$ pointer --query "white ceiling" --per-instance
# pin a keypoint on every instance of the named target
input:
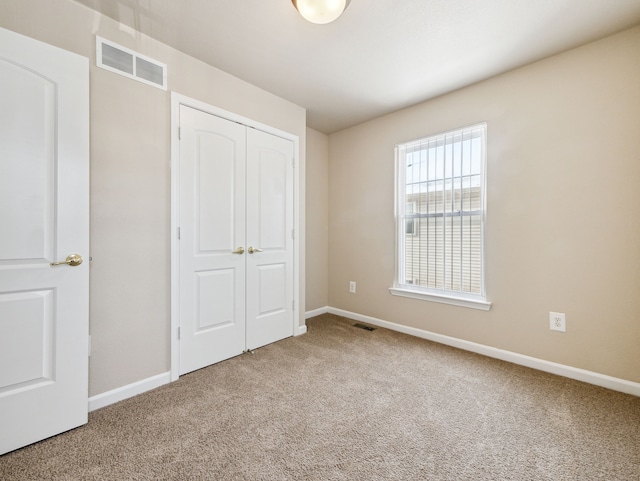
(381, 55)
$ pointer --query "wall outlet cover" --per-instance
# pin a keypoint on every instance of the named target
(557, 321)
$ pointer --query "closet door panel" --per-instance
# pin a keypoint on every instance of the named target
(212, 227)
(269, 238)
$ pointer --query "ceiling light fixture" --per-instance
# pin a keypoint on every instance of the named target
(320, 11)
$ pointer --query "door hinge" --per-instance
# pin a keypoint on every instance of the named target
(178, 332)
(178, 233)
(293, 305)
(293, 233)
(293, 162)
(179, 133)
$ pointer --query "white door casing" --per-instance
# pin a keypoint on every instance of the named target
(44, 214)
(235, 218)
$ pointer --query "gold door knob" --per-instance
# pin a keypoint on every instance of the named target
(254, 249)
(71, 260)
(239, 250)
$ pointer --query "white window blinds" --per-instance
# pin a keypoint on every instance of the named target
(440, 213)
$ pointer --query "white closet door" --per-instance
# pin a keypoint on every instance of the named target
(212, 239)
(236, 238)
(269, 238)
(44, 217)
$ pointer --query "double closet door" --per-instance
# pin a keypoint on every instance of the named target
(236, 238)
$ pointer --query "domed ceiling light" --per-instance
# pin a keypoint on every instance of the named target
(321, 11)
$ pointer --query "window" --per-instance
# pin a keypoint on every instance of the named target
(410, 223)
(440, 186)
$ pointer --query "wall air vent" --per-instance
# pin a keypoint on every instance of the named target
(118, 59)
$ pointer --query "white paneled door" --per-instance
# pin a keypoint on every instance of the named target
(44, 219)
(269, 238)
(212, 239)
(236, 246)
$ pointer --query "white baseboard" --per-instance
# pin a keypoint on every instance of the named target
(602, 380)
(316, 312)
(119, 394)
(583, 375)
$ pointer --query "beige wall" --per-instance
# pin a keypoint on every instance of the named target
(317, 218)
(562, 231)
(130, 180)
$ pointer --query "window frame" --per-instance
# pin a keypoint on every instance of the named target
(442, 295)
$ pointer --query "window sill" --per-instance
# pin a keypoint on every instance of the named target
(442, 298)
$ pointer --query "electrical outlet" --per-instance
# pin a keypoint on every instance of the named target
(352, 287)
(557, 321)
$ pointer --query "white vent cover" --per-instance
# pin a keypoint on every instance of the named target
(118, 59)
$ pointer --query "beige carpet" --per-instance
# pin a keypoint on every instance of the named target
(342, 403)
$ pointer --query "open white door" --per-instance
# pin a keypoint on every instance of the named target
(44, 214)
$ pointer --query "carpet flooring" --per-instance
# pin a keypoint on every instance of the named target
(343, 403)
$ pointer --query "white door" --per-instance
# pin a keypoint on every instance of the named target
(44, 217)
(269, 238)
(236, 248)
(212, 239)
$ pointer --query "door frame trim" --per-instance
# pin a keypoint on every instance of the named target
(176, 101)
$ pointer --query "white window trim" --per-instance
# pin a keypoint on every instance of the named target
(443, 298)
(472, 301)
